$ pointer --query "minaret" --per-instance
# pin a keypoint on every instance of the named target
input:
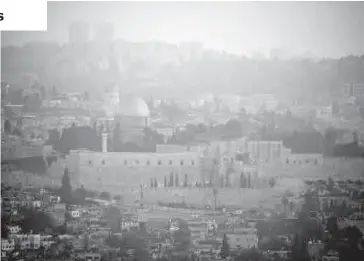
(104, 140)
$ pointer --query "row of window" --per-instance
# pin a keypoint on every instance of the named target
(137, 162)
(273, 145)
(307, 161)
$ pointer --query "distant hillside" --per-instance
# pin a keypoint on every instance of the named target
(90, 68)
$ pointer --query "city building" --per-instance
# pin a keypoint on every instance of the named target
(324, 113)
(27, 241)
(304, 159)
(104, 33)
(7, 245)
(79, 33)
(14, 229)
(262, 151)
(112, 171)
(354, 90)
(256, 102)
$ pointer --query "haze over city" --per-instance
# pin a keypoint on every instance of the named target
(135, 131)
(321, 29)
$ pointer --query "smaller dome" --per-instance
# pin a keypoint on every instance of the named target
(134, 107)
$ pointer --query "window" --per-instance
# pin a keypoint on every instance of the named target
(192, 162)
(307, 161)
(159, 162)
(137, 162)
(89, 162)
(170, 162)
(181, 162)
(103, 162)
(125, 162)
(148, 163)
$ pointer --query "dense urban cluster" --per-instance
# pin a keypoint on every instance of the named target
(324, 222)
(101, 161)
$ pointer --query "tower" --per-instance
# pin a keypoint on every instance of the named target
(79, 33)
(104, 140)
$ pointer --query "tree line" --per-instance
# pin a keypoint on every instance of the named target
(170, 181)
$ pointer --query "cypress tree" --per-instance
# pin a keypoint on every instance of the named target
(171, 180)
(222, 181)
(176, 181)
(248, 185)
(66, 189)
(225, 248)
(155, 183)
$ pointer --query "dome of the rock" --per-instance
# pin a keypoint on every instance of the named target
(135, 107)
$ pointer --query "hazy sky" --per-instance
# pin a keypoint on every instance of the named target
(322, 28)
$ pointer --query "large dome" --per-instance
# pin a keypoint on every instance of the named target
(136, 107)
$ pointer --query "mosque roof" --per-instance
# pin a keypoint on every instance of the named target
(135, 106)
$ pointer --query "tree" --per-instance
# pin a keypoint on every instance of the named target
(185, 182)
(54, 91)
(151, 183)
(86, 96)
(117, 145)
(43, 92)
(113, 217)
(233, 129)
(66, 189)
(291, 206)
(176, 181)
(105, 195)
(335, 108)
(80, 195)
(272, 182)
(242, 180)
(225, 248)
(117, 198)
(299, 249)
(285, 204)
(4, 228)
(251, 254)
(7, 127)
(182, 236)
(67, 216)
(343, 209)
(330, 184)
(171, 180)
(329, 142)
(325, 207)
(215, 193)
(361, 112)
(36, 221)
(155, 183)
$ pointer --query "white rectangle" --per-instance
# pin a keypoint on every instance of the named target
(23, 15)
